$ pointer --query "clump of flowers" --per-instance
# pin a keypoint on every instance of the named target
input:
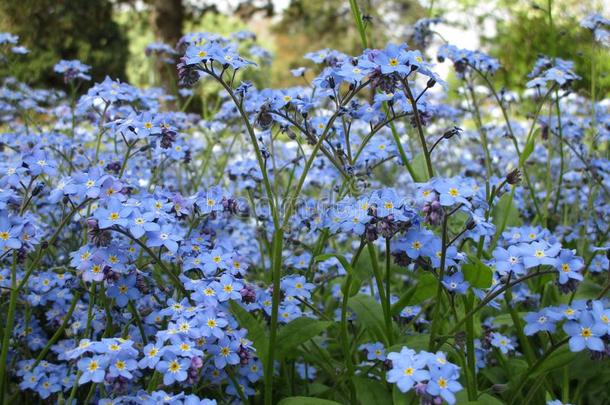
(308, 241)
(430, 375)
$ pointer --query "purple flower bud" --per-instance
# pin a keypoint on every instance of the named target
(196, 362)
(248, 294)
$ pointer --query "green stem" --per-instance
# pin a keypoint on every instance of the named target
(276, 271)
(401, 151)
(561, 154)
(418, 124)
(138, 320)
(8, 329)
(90, 310)
(470, 355)
(359, 23)
(126, 157)
(488, 298)
(439, 291)
(175, 280)
(388, 274)
(525, 343)
(70, 400)
(59, 331)
(380, 289)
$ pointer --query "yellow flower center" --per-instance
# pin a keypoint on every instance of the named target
(174, 366)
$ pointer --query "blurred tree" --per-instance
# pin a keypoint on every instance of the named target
(309, 25)
(64, 29)
(166, 20)
(524, 32)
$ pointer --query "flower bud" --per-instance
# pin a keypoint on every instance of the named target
(514, 177)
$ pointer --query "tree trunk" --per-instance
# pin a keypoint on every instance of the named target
(166, 21)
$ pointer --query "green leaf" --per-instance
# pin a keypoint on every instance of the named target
(306, 401)
(420, 168)
(476, 273)
(370, 315)
(403, 301)
(506, 319)
(588, 289)
(483, 399)
(417, 342)
(297, 332)
(346, 265)
(505, 213)
(516, 366)
(400, 398)
(371, 391)
(425, 288)
(256, 330)
(348, 269)
(487, 399)
(494, 374)
(529, 148)
(559, 358)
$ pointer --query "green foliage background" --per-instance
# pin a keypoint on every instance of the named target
(528, 33)
(64, 29)
(112, 36)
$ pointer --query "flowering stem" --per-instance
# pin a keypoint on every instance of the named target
(59, 331)
(254, 142)
(382, 295)
(377, 128)
(489, 298)
(136, 315)
(240, 392)
(470, 356)
(513, 137)
(388, 263)
(127, 152)
(8, 328)
(344, 331)
(561, 155)
(50, 242)
(418, 124)
(92, 290)
(175, 280)
(70, 399)
(401, 151)
(277, 243)
(359, 22)
(534, 367)
(439, 290)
